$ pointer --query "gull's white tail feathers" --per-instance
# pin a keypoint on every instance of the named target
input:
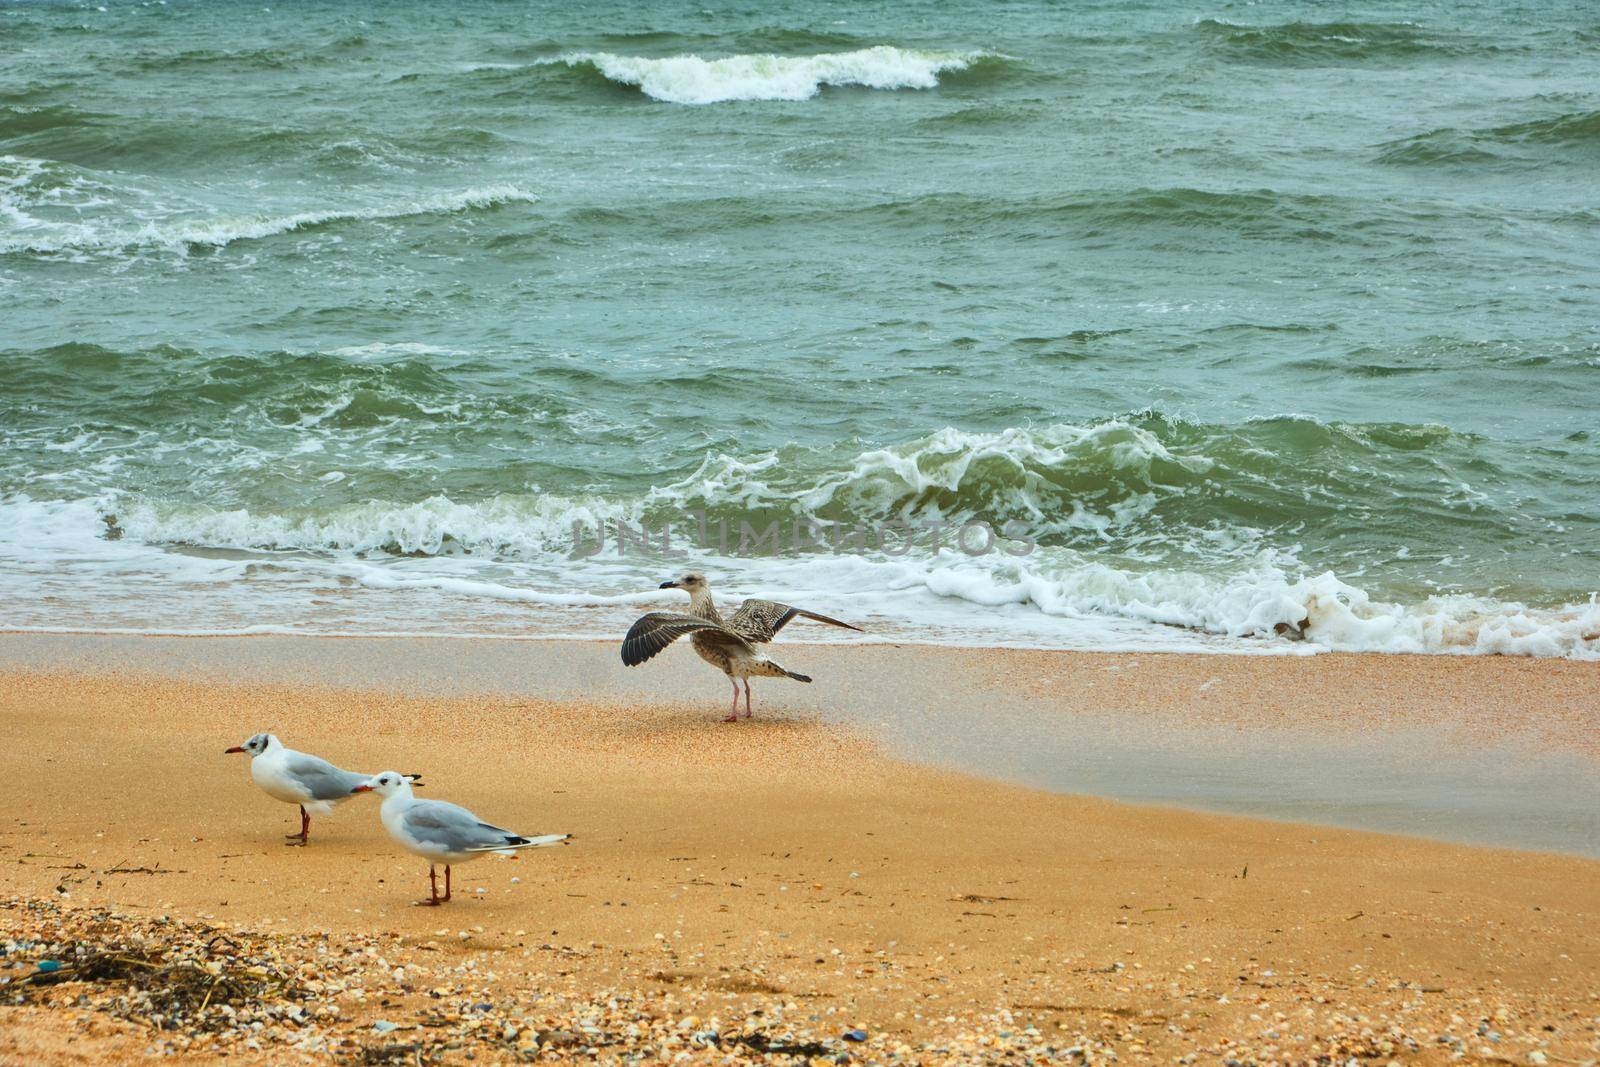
(526, 842)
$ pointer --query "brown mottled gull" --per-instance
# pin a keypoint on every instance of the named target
(730, 645)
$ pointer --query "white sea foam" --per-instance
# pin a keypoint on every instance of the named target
(1265, 601)
(180, 232)
(466, 565)
(690, 79)
(529, 526)
(59, 568)
(509, 525)
(379, 351)
(382, 578)
(996, 474)
(944, 461)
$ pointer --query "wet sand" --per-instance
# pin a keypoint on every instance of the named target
(786, 878)
(1495, 751)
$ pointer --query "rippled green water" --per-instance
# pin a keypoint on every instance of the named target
(337, 318)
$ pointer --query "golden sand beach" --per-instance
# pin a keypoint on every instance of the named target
(761, 891)
(1164, 434)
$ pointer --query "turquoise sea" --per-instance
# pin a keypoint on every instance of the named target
(1267, 326)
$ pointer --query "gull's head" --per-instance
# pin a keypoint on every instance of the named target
(693, 582)
(255, 746)
(386, 784)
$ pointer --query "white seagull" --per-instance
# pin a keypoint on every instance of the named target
(299, 778)
(440, 832)
(728, 645)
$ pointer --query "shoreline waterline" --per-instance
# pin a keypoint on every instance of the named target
(1492, 752)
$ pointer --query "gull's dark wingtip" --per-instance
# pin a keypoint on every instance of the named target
(831, 621)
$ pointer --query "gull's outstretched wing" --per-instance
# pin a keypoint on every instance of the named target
(658, 629)
(760, 620)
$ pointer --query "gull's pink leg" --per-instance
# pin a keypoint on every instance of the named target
(733, 716)
(747, 711)
(447, 881)
(305, 829)
(433, 885)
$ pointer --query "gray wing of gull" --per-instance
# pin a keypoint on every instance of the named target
(322, 779)
(658, 629)
(454, 828)
(760, 620)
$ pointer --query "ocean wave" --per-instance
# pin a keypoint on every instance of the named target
(1266, 601)
(1321, 42)
(982, 118)
(689, 79)
(757, 39)
(279, 394)
(1146, 484)
(1236, 531)
(200, 59)
(1067, 482)
(1443, 147)
(505, 526)
(1581, 128)
(22, 120)
(152, 143)
(263, 58)
(1178, 213)
(1246, 212)
(1060, 477)
(380, 578)
(29, 234)
(1576, 131)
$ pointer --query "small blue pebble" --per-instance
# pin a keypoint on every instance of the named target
(47, 966)
(855, 1035)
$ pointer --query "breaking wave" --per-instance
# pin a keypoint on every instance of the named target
(689, 79)
(30, 231)
(1145, 482)
(1269, 600)
(1265, 602)
(1223, 532)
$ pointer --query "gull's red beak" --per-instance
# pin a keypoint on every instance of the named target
(235, 748)
(361, 789)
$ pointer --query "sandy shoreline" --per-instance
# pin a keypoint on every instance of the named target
(784, 879)
(1481, 750)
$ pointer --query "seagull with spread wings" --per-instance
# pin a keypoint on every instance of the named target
(730, 645)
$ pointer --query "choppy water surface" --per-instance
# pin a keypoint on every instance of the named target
(337, 318)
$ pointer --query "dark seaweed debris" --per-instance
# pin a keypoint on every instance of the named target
(168, 987)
